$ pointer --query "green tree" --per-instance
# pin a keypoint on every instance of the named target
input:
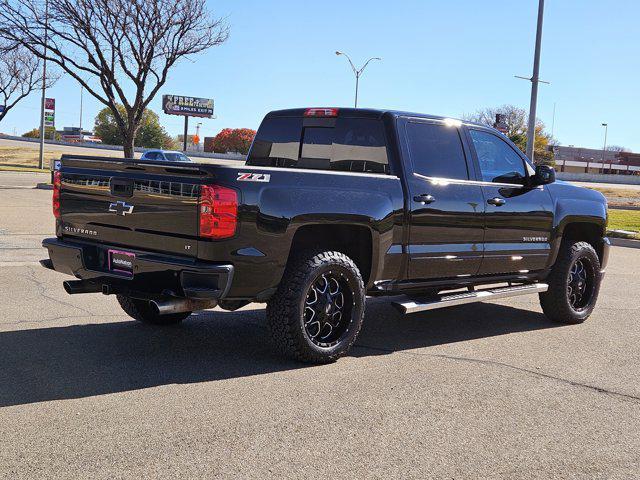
(515, 121)
(150, 134)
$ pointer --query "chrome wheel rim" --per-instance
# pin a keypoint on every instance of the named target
(328, 308)
(580, 283)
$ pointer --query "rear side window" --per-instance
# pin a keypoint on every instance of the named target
(343, 144)
(436, 151)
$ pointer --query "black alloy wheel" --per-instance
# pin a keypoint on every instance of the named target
(328, 309)
(580, 282)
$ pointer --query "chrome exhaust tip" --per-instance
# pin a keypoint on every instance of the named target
(180, 305)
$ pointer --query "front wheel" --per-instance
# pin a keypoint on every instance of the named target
(318, 309)
(574, 284)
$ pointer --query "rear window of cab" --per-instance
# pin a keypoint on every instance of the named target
(342, 144)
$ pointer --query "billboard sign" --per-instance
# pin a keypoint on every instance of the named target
(49, 103)
(187, 106)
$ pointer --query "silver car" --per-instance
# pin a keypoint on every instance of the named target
(165, 156)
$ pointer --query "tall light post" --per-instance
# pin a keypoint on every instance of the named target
(535, 80)
(604, 147)
(357, 72)
(44, 84)
(81, 92)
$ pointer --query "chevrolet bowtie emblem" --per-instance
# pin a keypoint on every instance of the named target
(120, 208)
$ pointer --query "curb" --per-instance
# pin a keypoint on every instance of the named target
(44, 186)
(624, 242)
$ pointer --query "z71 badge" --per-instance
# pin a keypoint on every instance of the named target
(254, 177)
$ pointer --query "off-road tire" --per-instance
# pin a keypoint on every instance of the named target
(555, 302)
(142, 311)
(286, 309)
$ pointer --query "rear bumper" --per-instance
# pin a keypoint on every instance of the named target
(153, 274)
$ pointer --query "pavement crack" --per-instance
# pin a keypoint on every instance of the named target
(42, 290)
(625, 396)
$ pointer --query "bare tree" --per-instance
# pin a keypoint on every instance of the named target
(20, 74)
(617, 148)
(120, 51)
(515, 118)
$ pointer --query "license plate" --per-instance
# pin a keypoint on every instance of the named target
(121, 262)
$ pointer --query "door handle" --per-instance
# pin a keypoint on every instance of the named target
(424, 199)
(497, 201)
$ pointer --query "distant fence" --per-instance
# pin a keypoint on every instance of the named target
(599, 178)
(100, 146)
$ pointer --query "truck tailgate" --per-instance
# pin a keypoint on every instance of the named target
(140, 205)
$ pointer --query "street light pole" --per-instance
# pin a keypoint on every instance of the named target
(81, 91)
(531, 131)
(44, 84)
(604, 147)
(357, 72)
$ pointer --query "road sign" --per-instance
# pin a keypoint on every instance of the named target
(49, 103)
(2, 108)
(187, 106)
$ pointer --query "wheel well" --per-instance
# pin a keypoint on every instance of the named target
(352, 240)
(587, 232)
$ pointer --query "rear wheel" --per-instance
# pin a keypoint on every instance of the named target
(316, 314)
(574, 284)
(142, 311)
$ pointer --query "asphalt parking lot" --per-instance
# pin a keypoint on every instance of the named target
(490, 390)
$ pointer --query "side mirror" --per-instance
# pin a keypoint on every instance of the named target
(544, 175)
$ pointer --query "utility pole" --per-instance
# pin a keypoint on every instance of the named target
(535, 80)
(604, 147)
(81, 91)
(357, 72)
(531, 133)
(44, 84)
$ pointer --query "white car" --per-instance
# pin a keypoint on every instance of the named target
(165, 156)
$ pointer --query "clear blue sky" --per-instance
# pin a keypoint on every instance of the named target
(440, 57)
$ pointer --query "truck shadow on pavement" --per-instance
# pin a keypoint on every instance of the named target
(94, 359)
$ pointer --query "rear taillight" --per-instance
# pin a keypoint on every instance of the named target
(56, 193)
(218, 211)
(321, 112)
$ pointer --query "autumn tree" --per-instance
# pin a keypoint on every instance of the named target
(515, 121)
(120, 51)
(20, 74)
(234, 140)
(49, 132)
(150, 134)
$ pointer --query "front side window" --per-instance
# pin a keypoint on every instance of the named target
(436, 151)
(499, 163)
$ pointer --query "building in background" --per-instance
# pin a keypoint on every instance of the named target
(78, 135)
(590, 160)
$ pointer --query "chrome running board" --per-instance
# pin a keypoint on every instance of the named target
(410, 305)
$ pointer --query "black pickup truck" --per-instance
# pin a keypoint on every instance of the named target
(332, 205)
